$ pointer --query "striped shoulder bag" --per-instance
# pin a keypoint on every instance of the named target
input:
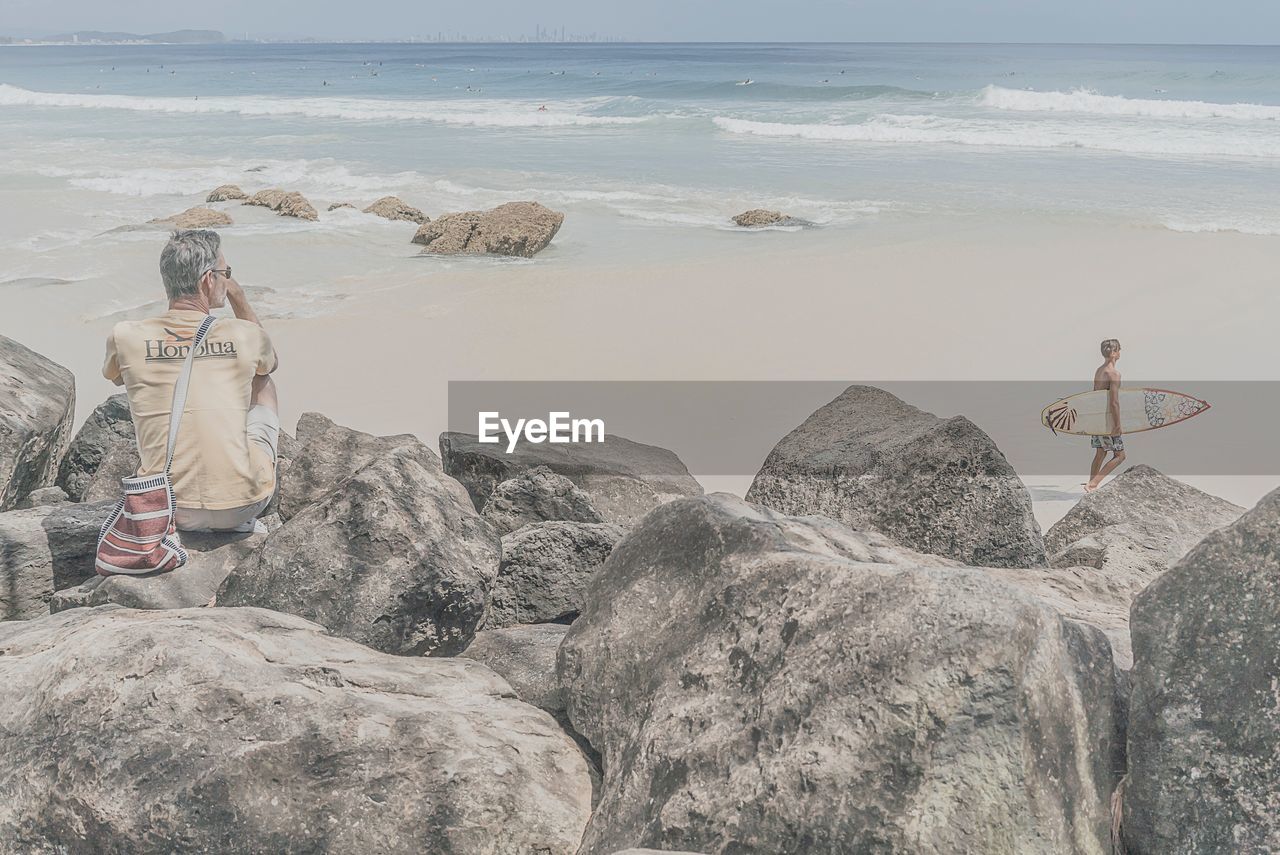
(139, 536)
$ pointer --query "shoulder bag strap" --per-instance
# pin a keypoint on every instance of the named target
(180, 390)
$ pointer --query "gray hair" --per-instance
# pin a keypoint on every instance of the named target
(188, 255)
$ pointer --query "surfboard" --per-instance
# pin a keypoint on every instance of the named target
(1142, 408)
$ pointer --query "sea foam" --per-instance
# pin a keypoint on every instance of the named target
(475, 112)
(1059, 133)
(1089, 101)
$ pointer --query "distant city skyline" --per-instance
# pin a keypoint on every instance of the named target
(1083, 21)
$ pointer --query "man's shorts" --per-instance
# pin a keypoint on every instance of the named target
(263, 428)
(1108, 443)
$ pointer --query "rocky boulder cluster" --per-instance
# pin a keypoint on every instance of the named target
(579, 652)
(517, 228)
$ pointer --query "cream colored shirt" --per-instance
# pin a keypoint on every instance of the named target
(214, 465)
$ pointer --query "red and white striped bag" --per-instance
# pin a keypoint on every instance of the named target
(139, 536)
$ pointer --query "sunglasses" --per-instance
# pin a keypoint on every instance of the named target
(225, 271)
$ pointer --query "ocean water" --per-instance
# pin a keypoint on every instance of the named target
(632, 141)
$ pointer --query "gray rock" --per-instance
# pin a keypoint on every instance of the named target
(1115, 541)
(325, 455)
(653, 852)
(758, 683)
(43, 550)
(624, 479)
(1204, 770)
(394, 208)
(516, 228)
(524, 656)
(869, 460)
(247, 731)
(43, 497)
(1136, 526)
(394, 558)
(212, 556)
(37, 402)
(226, 193)
(108, 426)
(121, 461)
(336, 205)
(537, 495)
(545, 569)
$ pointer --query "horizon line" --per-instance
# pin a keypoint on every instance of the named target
(609, 40)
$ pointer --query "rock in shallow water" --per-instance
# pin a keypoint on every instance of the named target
(394, 557)
(284, 203)
(516, 228)
(248, 731)
(226, 193)
(763, 684)
(758, 217)
(195, 218)
(869, 460)
(37, 402)
(1204, 769)
(623, 479)
(394, 208)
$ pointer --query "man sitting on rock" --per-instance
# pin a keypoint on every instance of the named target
(224, 460)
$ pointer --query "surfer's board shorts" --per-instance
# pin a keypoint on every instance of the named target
(1108, 443)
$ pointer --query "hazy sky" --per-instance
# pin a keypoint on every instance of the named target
(1166, 21)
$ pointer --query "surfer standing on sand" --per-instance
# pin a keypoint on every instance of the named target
(1107, 377)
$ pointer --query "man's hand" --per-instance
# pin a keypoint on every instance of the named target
(240, 303)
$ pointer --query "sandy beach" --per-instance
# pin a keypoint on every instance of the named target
(960, 301)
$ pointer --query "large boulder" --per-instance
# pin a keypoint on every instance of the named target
(545, 569)
(43, 550)
(537, 495)
(195, 218)
(393, 557)
(324, 456)
(524, 656)
(757, 683)
(869, 460)
(226, 193)
(37, 403)
(1204, 769)
(1114, 541)
(285, 203)
(516, 228)
(108, 426)
(624, 479)
(247, 731)
(394, 208)
(213, 555)
(1136, 526)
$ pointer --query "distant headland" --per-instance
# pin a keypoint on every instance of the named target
(97, 37)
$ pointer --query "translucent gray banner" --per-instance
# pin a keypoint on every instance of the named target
(728, 428)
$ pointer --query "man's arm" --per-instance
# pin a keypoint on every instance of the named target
(1113, 402)
(111, 365)
(240, 305)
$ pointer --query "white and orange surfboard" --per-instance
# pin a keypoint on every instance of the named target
(1142, 408)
